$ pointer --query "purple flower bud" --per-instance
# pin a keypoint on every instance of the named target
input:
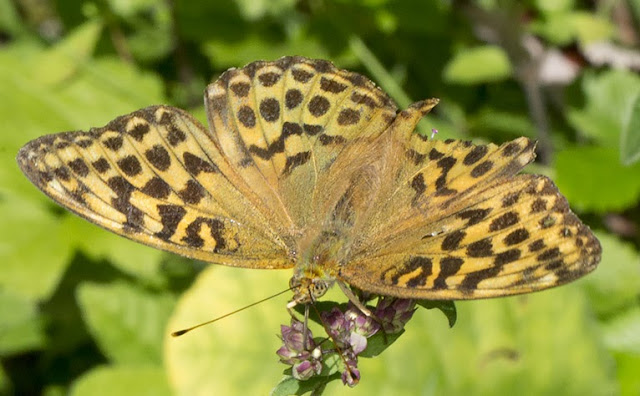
(334, 319)
(351, 376)
(394, 313)
(287, 356)
(358, 342)
(338, 326)
(306, 369)
(361, 323)
(294, 350)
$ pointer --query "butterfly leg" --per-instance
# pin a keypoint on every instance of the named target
(356, 301)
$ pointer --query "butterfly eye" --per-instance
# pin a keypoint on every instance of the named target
(319, 288)
(294, 282)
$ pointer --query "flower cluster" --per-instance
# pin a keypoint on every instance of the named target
(306, 360)
(349, 331)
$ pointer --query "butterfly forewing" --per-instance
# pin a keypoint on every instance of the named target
(148, 177)
(285, 122)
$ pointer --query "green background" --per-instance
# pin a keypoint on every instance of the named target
(87, 312)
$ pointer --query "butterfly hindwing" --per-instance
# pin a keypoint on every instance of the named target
(498, 234)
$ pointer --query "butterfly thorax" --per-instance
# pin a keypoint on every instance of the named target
(317, 267)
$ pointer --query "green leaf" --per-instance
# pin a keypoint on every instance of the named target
(630, 137)
(616, 281)
(377, 343)
(553, 6)
(9, 22)
(622, 333)
(492, 123)
(256, 46)
(609, 96)
(64, 59)
(5, 382)
(127, 322)
(628, 365)
(21, 326)
(478, 65)
(499, 346)
(131, 257)
(122, 380)
(129, 8)
(448, 308)
(97, 92)
(34, 248)
(291, 386)
(592, 178)
(591, 27)
(252, 10)
(234, 355)
(562, 27)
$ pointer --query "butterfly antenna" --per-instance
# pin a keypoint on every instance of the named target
(184, 331)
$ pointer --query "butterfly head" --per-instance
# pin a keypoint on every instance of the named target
(317, 267)
(307, 289)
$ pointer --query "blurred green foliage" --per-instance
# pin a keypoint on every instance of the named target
(86, 312)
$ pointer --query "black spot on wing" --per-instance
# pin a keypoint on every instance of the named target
(348, 117)
(123, 190)
(508, 256)
(418, 185)
(511, 149)
(216, 228)
(536, 245)
(79, 167)
(332, 86)
(139, 131)
(247, 117)
(130, 165)
(549, 254)
(504, 221)
(113, 143)
(240, 89)
(62, 173)
(170, 217)
(448, 266)
(293, 98)
(269, 79)
(156, 188)
(175, 136)
(475, 155)
(423, 265)
(158, 157)
(481, 248)
(192, 192)
(539, 205)
(516, 237)
(270, 109)
(195, 165)
(481, 169)
(295, 161)
(318, 106)
(452, 241)
(300, 75)
(474, 216)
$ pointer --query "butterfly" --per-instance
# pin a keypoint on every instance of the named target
(308, 167)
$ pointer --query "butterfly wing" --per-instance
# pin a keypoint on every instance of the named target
(457, 224)
(284, 123)
(157, 177)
